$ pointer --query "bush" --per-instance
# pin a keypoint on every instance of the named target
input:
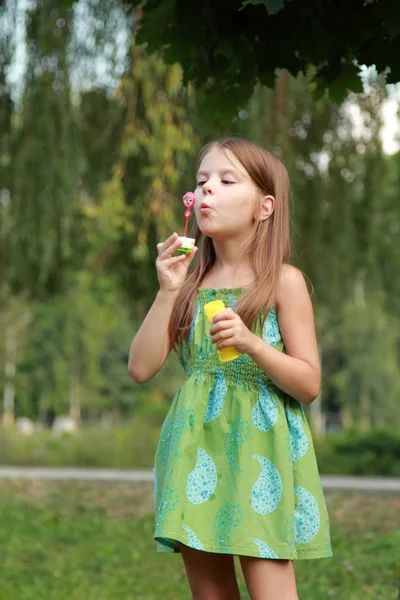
(132, 446)
(376, 452)
(127, 446)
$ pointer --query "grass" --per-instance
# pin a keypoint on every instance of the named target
(90, 541)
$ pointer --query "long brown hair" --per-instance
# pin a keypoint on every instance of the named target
(269, 244)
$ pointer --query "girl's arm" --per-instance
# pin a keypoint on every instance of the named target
(151, 345)
(297, 372)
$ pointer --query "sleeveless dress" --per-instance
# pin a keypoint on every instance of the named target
(235, 470)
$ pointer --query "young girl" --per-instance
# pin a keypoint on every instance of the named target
(235, 469)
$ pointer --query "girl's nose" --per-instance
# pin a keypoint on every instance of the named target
(207, 188)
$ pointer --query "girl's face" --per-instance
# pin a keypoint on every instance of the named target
(226, 197)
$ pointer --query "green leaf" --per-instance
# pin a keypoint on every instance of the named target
(272, 6)
(157, 19)
(318, 93)
(267, 78)
(349, 79)
(68, 3)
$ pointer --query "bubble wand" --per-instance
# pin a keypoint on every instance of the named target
(188, 200)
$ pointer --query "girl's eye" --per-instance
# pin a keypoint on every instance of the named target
(223, 181)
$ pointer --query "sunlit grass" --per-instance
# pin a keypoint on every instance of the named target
(88, 541)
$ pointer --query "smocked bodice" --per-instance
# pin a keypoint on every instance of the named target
(199, 356)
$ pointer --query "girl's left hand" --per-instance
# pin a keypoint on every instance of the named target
(228, 329)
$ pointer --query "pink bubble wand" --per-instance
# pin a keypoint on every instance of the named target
(188, 200)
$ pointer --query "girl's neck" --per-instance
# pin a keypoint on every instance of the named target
(229, 254)
(231, 269)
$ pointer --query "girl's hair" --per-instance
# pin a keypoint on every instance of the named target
(269, 243)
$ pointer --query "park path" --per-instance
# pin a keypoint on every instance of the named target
(329, 482)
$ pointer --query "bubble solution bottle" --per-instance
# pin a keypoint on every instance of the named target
(211, 309)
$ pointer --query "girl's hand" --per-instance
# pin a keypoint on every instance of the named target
(228, 329)
(171, 270)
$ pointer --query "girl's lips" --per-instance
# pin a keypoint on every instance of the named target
(205, 210)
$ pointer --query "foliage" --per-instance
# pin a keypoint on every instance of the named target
(92, 171)
(86, 541)
(273, 6)
(138, 204)
(346, 235)
(225, 48)
(61, 371)
(132, 445)
(44, 160)
(366, 381)
(352, 452)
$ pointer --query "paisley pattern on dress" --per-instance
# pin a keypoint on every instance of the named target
(265, 412)
(306, 516)
(290, 533)
(235, 471)
(202, 480)
(172, 432)
(235, 437)
(216, 398)
(271, 332)
(267, 491)
(193, 540)
(195, 319)
(264, 550)
(298, 437)
(168, 503)
(228, 518)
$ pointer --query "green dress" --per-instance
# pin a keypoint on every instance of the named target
(235, 470)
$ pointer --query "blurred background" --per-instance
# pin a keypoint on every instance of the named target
(98, 143)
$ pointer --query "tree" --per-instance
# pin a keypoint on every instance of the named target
(346, 218)
(45, 162)
(61, 368)
(139, 204)
(226, 47)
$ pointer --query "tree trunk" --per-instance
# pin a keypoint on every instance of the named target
(347, 418)
(11, 368)
(9, 371)
(74, 397)
(365, 413)
(318, 420)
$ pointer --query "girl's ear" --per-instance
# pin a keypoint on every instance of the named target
(267, 207)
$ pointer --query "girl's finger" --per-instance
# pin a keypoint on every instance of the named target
(167, 262)
(190, 255)
(169, 250)
(225, 314)
(222, 335)
(220, 326)
(162, 246)
(225, 343)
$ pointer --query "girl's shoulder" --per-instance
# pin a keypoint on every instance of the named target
(292, 283)
(290, 272)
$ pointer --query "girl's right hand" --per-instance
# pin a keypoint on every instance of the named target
(171, 270)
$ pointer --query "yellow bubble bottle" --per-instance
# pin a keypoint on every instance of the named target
(211, 309)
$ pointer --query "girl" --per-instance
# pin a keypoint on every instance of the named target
(235, 470)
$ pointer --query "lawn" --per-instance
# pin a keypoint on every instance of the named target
(88, 541)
